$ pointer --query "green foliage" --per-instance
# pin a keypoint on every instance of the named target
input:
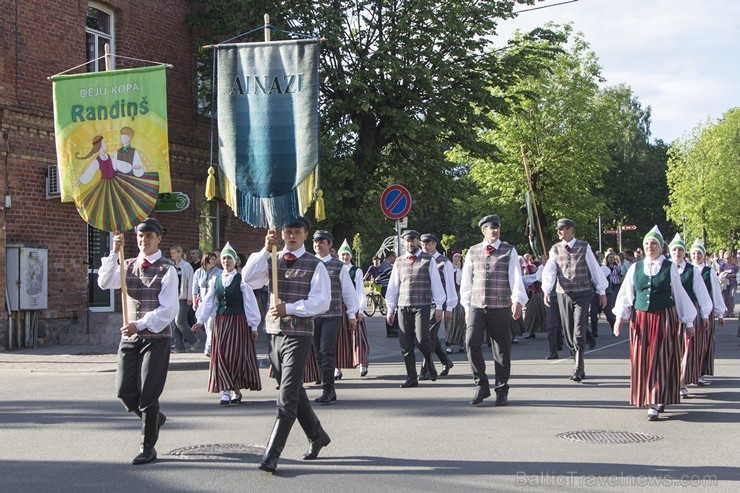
(703, 180)
(357, 248)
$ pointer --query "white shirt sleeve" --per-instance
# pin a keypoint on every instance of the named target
(550, 274)
(450, 290)
(207, 306)
(717, 300)
(466, 283)
(438, 292)
(109, 276)
(349, 292)
(251, 309)
(702, 295)
(597, 275)
(391, 294)
(319, 296)
(255, 273)
(626, 297)
(360, 290)
(516, 284)
(684, 305)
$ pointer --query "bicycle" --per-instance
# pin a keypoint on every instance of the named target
(375, 300)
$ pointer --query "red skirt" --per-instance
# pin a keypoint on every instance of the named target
(361, 346)
(345, 344)
(655, 357)
(696, 347)
(707, 358)
(233, 357)
(311, 373)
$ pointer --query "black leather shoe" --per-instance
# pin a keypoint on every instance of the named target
(501, 399)
(446, 371)
(661, 408)
(162, 419)
(268, 465)
(327, 397)
(591, 343)
(410, 382)
(576, 377)
(433, 376)
(424, 376)
(146, 455)
(553, 356)
(480, 394)
(315, 446)
(530, 336)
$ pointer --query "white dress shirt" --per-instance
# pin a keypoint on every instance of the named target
(516, 283)
(438, 292)
(256, 274)
(450, 290)
(359, 289)
(109, 278)
(550, 275)
(209, 303)
(626, 297)
(349, 295)
(717, 301)
(700, 290)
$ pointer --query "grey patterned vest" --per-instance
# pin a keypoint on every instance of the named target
(294, 284)
(334, 267)
(143, 287)
(415, 286)
(491, 286)
(573, 274)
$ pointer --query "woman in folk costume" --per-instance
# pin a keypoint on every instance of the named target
(709, 276)
(693, 284)
(360, 345)
(652, 298)
(534, 316)
(237, 316)
(455, 330)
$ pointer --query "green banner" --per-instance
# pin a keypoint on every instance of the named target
(111, 127)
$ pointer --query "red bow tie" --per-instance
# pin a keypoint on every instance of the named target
(412, 258)
(567, 248)
(490, 249)
(145, 263)
(289, 257)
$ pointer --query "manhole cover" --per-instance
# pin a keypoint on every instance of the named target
(601, 436)
(220, 451)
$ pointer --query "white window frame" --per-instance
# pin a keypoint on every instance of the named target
(99, 34)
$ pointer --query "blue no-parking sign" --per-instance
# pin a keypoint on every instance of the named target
(395, 201)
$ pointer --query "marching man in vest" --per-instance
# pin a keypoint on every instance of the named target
(327, 325)
(304, 291)
(573, 266)
(144, 352)
(492, 292)
(429, 245)
(413, 285)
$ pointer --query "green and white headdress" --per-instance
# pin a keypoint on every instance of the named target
(344, 249)
(698, 246)
(229, 250)
(677, 242)
(655, 234)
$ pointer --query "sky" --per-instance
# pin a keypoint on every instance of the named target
(680, 57)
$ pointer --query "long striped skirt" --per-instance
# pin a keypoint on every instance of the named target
(233, 357)
(534, 321)
(655, 357)
(310, 373)
(455, 331)
(694, 352)
(517, 326)
(360, 345)
(707, 359)
(345, 344)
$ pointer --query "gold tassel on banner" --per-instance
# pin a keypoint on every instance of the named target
(320, 211)
(211, 184)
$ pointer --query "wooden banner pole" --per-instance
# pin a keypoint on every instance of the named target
(534, 202)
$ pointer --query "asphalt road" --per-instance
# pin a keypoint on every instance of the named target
(61, 428)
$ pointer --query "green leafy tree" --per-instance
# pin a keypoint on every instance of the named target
(704, 181)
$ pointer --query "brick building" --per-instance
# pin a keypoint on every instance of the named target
(39, 38)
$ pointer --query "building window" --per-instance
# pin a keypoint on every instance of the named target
(99, 31)
(209, 226)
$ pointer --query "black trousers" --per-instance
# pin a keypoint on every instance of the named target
(574, 310)
(484, 324)
(596, 309)
(288, 356)
(413, 326)
(325, 331)
(142, 372)
(437, 348)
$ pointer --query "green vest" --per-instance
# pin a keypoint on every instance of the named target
(687, 279)
(653, 293)
(230, 300)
